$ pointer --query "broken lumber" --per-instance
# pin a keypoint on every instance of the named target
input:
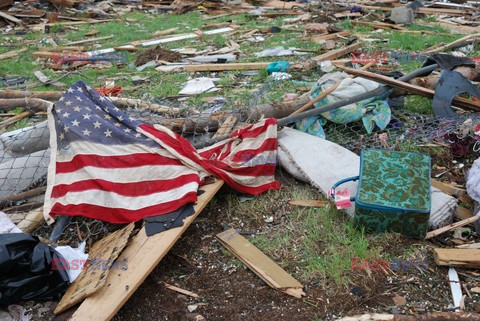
(93, 277)
(41, 27)
(337, 53)
(423, 10)
(231, 66)
(12, 120)
(457, 257)
(454, 43)
(449, 188)
(64, 48)
(377, 25)
(225, 128)
(143, 255)
(28, 222)
(329, 36)
(260, 264)
(431, 81)
(451, 227)
(12, 53)
(9, 17)
(180, 290)
(434, 316)
(308, 203)
(185, 36)
(457, 101)
(79, 42)
(463, 213)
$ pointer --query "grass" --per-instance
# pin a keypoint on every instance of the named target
(317, 243)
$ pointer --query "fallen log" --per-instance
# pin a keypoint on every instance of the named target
(47, 95)
(34, 104)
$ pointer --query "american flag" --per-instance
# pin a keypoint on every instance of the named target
(108, 166)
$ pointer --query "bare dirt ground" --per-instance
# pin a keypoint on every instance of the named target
(229, 291)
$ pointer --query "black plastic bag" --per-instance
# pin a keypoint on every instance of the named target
(26, 270)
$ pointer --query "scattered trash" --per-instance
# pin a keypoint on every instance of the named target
(199, 85)
(27, 271)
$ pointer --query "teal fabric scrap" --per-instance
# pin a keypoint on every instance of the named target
(277, 66)
(372, 111)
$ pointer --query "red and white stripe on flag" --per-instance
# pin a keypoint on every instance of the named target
(124, 183)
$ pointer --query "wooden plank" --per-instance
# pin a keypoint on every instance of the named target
(451, 12)
(453, 44)
(79, 42)
(12, 53)
(64, 48)
(93, 277)
(415, 89)
(226, 127)
(449, 188)
(457, 257)
(469, 246)
(463, 213)
(31, 220)
(337, 53)
(329, 36)
(347, 14)
(180, 290)
(41, 27)
(260, 264)
(142, 254)
(451, 227)
(309, 203)
(9, 17)
(283, 5)
(377, 25)
(232, 66)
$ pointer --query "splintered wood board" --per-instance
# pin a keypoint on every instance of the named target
(309, 203)
(143, 254)
(28, 222)
(337, 53)
(260, 264)
(94, 277)
(469, 258)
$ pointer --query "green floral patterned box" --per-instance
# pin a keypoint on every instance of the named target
(394, 192)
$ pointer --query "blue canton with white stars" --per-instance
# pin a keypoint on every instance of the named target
(83, 114)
